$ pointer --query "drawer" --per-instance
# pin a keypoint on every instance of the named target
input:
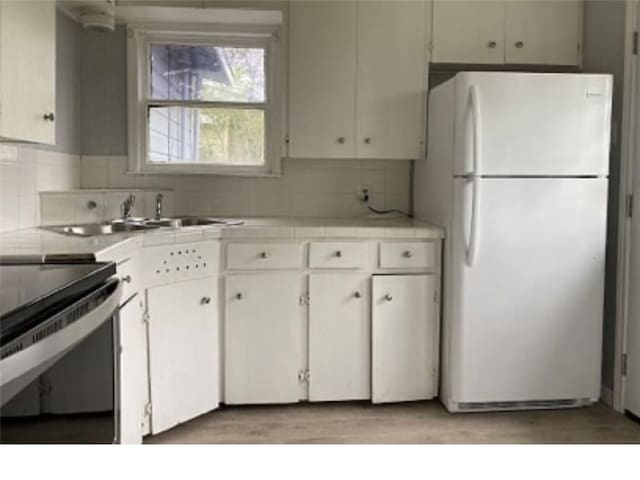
(407, 255)
(264, 256)
(129, 274)
(336, 254)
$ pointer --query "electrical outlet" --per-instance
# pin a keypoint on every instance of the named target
(363, 195)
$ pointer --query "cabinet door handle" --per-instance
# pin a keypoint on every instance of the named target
(407, 254)
(205, 301)
(49, 117)
(519, 44)
(238, 296)
(341, 140)
(357, 295)
(492, 44)
(388, 298)
(338, 254)
(264, 255)
(126, 279)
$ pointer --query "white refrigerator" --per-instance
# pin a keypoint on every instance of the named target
(516, 172)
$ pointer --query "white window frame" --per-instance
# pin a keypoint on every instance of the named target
(139, 39)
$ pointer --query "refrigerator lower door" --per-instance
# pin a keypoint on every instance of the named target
(525, 314)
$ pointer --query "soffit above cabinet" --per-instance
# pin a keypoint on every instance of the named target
(192, 12)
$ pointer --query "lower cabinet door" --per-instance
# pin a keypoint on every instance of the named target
(183, 351)
(262, 338)
(132, 375)
(404, 343)
(339, 337)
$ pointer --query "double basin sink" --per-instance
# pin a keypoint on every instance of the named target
(137, 225)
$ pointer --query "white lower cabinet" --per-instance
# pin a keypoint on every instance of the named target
(339, 337)
(183, 353)
(262, 338)
(132, 366)
(404, 337)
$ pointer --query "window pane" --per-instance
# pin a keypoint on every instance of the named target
(219, 136)
(208, 73)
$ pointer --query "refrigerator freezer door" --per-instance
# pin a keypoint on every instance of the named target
(526, 316)
(533, 124)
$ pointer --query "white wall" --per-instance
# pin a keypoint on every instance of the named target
(307, 187)
(24, 172)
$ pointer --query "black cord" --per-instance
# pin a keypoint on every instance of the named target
(393, 210)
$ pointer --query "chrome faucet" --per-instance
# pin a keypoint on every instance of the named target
(159, 198)
(127, 206)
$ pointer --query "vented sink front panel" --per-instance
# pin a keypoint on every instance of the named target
(179, 262)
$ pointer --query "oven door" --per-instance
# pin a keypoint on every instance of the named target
(60, 384)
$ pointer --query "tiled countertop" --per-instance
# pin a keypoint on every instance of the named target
(37, 241)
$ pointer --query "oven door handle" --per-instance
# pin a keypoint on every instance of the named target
(21, 368)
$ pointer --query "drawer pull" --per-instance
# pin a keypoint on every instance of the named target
(388, 298)
(205, 301)
(407, 254)
(264, 254)
(238, 296)
(338, 254)
(357, 295)
(126, 279)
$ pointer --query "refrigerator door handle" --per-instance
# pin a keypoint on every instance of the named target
(472, 247)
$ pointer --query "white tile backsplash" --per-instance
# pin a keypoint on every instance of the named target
(73, 206)
(24, 172)
(315, 188)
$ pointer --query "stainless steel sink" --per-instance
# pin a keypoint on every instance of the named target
(189, 221)
(95, 229)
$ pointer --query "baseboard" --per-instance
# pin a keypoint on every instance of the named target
(606, 396)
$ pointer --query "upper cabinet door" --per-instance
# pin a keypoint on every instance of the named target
(27, 71)
(391, 79)
(322, 79)
(468, 32)
(543, 32)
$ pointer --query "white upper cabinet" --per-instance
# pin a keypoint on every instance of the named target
(27, 71)
(391, 79)
(538, 32)
(468, 32)
(322, 79)
(543, 32)
(357, 79)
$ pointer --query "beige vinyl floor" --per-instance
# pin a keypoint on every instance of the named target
(409, 423)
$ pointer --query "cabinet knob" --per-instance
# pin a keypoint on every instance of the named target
(49, 117)
(357, 295)
(406, 254)
(338, 254)
(263, 255)
(126, 279)
(238, 296)
(341, 140)
(367, 140)
(205, 301)
(519, 44)
(492, 44)
(388, 298)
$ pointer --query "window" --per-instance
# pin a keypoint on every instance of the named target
(205, 102)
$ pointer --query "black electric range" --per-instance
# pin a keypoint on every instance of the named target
(58, 362)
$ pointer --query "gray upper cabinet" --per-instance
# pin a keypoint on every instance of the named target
(540, 32)
(28, 71)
